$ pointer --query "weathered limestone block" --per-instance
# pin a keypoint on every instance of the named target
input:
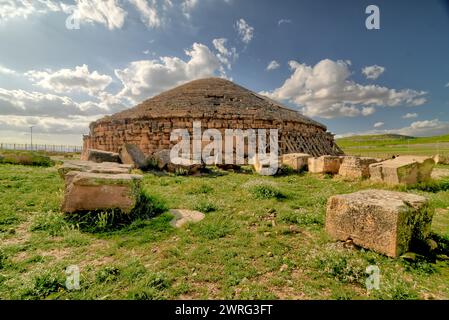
(102, 156)
(296, 161)
(266, 165)
(402, 170)
(325, 164)
(87, 191)
(131, 154)
(89, 166)
(356, 167)
(441, 159)
(183, 216)
(387, 222)
(162, 161)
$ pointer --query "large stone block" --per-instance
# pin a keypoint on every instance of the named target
(384, 221)
(325, 164)
(131, 154)
(162, 161)
(296, 161)
(402, 170)
(355, 167)
(87, 191)
(102, 156)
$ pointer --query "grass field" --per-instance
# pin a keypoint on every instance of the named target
(262, 238)
(385, 146)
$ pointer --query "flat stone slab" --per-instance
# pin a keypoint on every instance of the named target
(131, 154)
(384, 221)
(102, 156)
(89, 166)
(88, 191)
(183, 216)
(402, 170)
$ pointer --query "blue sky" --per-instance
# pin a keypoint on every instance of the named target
(323, 61)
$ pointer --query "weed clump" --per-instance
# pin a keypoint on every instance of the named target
(114, 219)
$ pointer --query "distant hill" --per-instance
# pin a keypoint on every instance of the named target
(388, 139)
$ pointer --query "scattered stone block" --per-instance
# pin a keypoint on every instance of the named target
(356, 167)
(296, 161)
(89, 166)
(183, 216)
(162, 161)
(88, 191)
(131, 154)
(441, 159)
(325, 164)
(266, 165)
(402, 170)
(387, 222)
(102, 156)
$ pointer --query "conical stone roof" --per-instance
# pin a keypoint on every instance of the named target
(211, 98)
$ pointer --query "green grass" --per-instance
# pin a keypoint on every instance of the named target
(29, 158)
(262, 238)
(384, 146)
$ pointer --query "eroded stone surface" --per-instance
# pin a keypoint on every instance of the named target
(89, 166)
(102, 156)
(384, 221)
(355, 167)
(325, 164)
(163, 162)
(402, 170)
(296, 161)
(183, 216)
(131, 154)
(88, 191)
(441, 159)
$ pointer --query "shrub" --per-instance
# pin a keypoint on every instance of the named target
(429, 186)
(28, 158)
(44, 284)
(205, 207)
(107, 274)
(266, 192)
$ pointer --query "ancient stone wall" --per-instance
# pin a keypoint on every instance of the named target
(152, 135)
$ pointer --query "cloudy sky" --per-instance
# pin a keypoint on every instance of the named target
(66, 63)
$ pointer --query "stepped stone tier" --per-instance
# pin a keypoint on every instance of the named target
(218, 104)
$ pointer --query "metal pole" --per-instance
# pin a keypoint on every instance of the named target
(31, 129)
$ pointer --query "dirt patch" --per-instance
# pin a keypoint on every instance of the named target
(20, 236)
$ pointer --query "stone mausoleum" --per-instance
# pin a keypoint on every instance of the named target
(218, 104)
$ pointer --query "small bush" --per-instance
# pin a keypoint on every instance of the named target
(27, 158)
(45, 284)
(205, 207)
(342, 266)
(107, 274)
(266, 192)
(202, 189)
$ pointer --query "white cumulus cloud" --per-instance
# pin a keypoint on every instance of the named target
(373, 72)
(10, 9)
(325, 90)
(245, 31)
(226, 56)
(410, 115)
(106, 12)
(145, 78)
(149, 12)
(378, 124)
(67, 80)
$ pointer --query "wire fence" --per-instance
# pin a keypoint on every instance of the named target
(41, 147)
